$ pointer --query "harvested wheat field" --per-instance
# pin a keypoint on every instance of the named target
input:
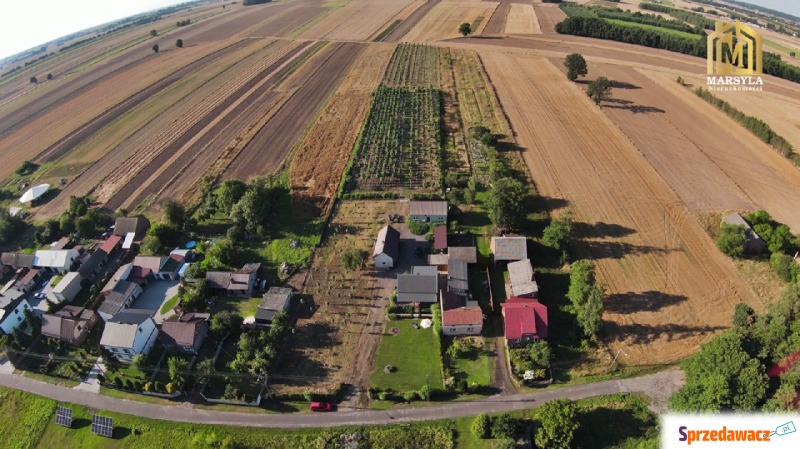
(522, 20)
(497, 22)
(548, 14)
(443, 20)
(670, 288)
(407, 23)
(319, 162)
(358, 20)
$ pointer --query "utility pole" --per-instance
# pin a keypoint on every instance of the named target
(428, 389)
(615, 357)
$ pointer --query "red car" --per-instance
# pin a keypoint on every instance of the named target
(321, 406)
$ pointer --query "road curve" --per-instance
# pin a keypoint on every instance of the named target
(657, 384)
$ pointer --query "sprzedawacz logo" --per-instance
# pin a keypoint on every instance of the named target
(724, 434)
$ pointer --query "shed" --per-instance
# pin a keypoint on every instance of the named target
(275, 300)
(387, 247)
(521, 279)
(440, 238)
(428, 211)
(509, 248)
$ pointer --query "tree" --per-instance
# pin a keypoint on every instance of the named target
(78, 206)
(49, 76)
(229, 193)
(586, 297)
(9, 227)
(599, 89)
(137, 361)
(591, 316)
(743, 316)
(225, 322)
(784, 266)
(205, 367)
(731, 240)
(506, 203)
(558, 234)
(558, 423)
(177, 366)
(33, 80)
(504, 426)
(354, 258)
(540, 353)
(781, 240)
(155, 48)
(174, 213)
(153, 33)
(722, 376)
(465, 29)
(179, 43)
(576, 66)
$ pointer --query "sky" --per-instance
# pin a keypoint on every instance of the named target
(787, 6)
(29, 23)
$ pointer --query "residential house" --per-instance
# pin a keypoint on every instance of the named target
(70, 324)
(387, 247)
(428, 211)
(525, 321)
(62, 243)
(119, 298)
(93, 265)
(184, 255)
(138, 226)
(457, 277)
(460, 316)
(275, 300)
(122, 274)
(160, 267)
(55, 261)
(66, 289)
(130, 333)
(509, 249)
(111, 244)
(468, 254)
(15, 261)
(440, 238)
(235, 283)
(28, 280)
(522, 282)
(421, 286)
(12, 310)
(184, 333)
(753, 244)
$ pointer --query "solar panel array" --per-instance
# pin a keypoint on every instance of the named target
(102, 425)
(64, 416)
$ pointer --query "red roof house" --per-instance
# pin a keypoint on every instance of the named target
(460, 316)
(111, 244)
(525, 321)
(440, 238)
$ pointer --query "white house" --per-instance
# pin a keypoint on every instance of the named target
(428, 211)
(130, 333)
(387, 247)
(67, 288)
(12, 310)
(55, 261)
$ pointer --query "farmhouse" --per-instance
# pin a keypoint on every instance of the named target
(138, 226)
(27, 281)
(12, 310)
(184, 333)
(459, 316)
(276, 299)
(120, 297)
(15, 261)
(129, 333)
(507, 249)
(387, 247)
(521, 279)
(111, 244)
(753, 243)
(70, 324)
(524, 321)
(457, 277)
(156, 267)
(121, 274)
(228, 283)
(66, 289)
(55, 261)
(428, 211)
(420, 286)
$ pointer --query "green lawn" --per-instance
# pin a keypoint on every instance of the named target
(413, 354)
(781, 47)
(169, 304)
(475, 366)
(655, 28)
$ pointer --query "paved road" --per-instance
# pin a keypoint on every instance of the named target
(655, 384)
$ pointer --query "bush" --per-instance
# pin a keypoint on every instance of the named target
(388, 369)
(481, 425)
(784, 266)
(731, 240)
(383, 396)
(418, 227)
(409, 396)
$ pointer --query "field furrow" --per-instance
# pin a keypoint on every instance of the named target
(664, 257)
(410, 22)
(357, 20)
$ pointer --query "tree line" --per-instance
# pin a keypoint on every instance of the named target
(686, 16)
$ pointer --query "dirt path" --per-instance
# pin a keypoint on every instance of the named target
(669, 287)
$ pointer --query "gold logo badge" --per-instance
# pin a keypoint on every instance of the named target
(726, 50)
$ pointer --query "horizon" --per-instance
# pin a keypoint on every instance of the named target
(24, 27)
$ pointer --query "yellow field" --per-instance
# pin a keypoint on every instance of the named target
(522, 20)
(443, 20)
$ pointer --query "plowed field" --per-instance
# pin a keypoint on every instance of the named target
(522, 20)
(319, 162)
(270, 146)
(357, 20)
(549, 15)
(408, 23)
(670, 287)
(497, 23)
(443, 20)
